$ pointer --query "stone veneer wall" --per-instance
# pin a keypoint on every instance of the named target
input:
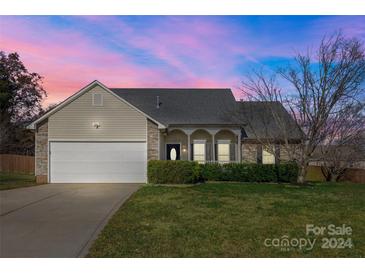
(41, 152)
(152, 140)
(249, 153)
(284, 156)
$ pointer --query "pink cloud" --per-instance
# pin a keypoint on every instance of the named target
(176, 39)
(68, 61)
(170, 52)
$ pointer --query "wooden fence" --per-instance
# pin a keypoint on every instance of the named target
(16, 163)
(355, 175)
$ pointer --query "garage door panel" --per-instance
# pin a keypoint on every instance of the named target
(107, 158)
(92, 162)
(110, 152)
(98, 178)
(94, 167)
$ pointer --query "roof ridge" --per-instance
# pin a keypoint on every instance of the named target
(258, 102)
(170, 88)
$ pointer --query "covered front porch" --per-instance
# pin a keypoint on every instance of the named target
(202, 144)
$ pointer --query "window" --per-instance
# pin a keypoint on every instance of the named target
(223, 152)
(199, 151)
(97, 99)
(267, 157)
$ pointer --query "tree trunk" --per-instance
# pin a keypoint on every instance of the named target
(326, 172)
(335, 175)
(303, 167)
(333, 178)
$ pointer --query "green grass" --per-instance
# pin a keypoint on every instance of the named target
(14, 180)
(231, 220)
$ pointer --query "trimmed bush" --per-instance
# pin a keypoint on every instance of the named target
(173, 172)
(187, 172)
(287, 172)
(245, 172)
(263, 173)
(212, 172)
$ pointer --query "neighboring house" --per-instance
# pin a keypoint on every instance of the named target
(102, 134)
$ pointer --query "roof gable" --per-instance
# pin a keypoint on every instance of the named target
(258, 121)
(80, 93)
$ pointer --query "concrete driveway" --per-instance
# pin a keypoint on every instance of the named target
(57, 220)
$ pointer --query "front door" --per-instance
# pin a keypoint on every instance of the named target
(173, 151)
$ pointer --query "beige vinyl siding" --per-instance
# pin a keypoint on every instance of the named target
(118, 120)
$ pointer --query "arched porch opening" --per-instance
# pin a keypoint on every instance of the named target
(225, 146)
(176, 137)
(201, 146)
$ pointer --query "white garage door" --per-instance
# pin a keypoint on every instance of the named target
(94, 162)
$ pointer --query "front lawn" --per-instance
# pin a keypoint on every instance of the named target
(14, 180)
(233, 220)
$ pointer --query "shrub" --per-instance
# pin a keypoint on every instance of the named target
(211, 172)
(287, 172)
(263, 173)
(247, 172)
(236, 172)
(173, 172)
(187, 172)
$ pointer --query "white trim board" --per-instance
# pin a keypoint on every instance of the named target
(99, 140)
(223, 141)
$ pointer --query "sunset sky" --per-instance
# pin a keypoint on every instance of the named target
(161, 51)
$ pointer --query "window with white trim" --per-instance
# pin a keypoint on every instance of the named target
(97, 99)
(267, 157)
(223, 148)
(199, 151)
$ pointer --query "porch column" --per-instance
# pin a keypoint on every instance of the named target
(213, 144)
(189, 146)
(239, 147)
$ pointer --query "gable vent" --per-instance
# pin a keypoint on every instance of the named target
(97, 99)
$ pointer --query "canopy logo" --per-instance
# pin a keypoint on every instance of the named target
(286, 244)
(332, 236)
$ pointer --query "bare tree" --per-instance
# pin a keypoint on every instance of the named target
(323, 85)
(344, 143)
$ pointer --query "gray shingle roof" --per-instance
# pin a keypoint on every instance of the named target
(259, 121)
(210, 107)
(182, 106)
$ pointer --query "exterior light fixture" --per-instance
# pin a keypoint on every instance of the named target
(96, 125)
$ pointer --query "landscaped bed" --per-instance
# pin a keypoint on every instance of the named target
(15, 180)
(233, 220)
